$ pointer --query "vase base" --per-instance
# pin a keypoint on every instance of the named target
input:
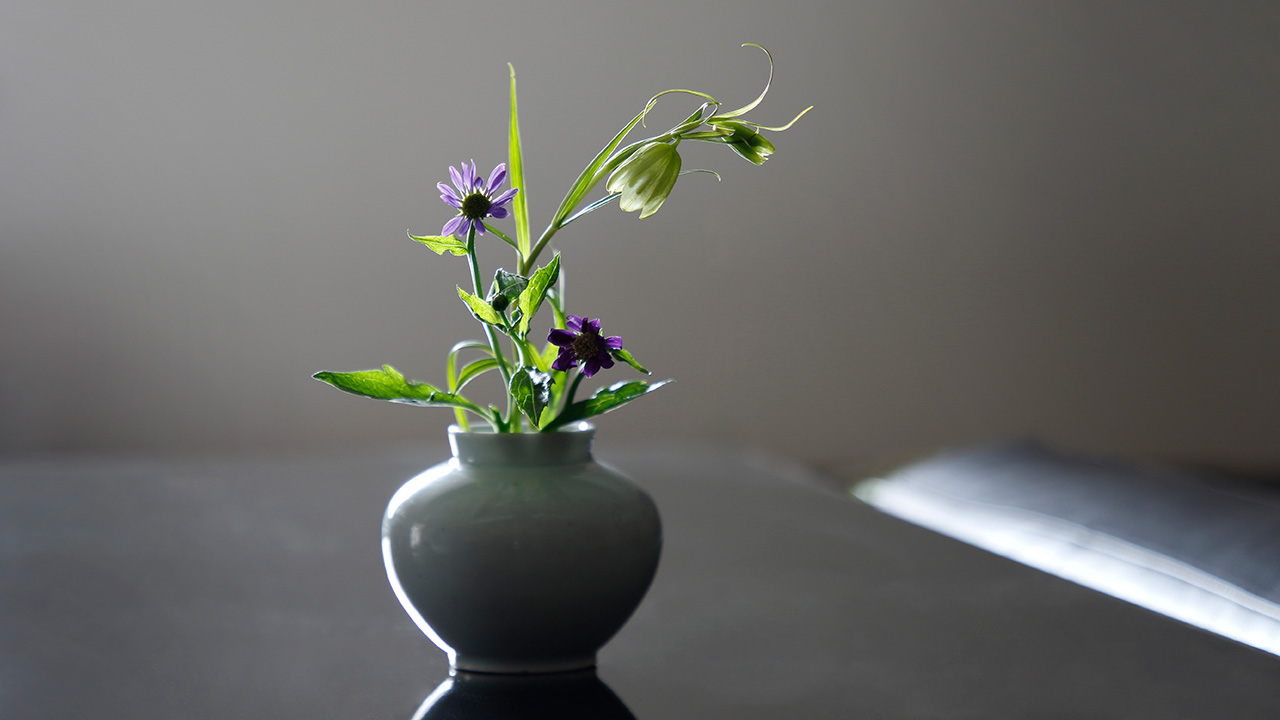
(464, 663)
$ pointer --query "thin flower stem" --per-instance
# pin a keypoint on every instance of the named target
(573, 390)
(559, 221)
(488, 329)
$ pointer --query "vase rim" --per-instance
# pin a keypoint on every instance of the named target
(581, 426)
(485, 447)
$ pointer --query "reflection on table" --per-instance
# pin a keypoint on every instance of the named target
(559, 696)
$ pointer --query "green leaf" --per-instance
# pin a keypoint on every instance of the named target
(475, 369)
(515, 171)
(605, 400)
(480, 309)
(625, 357)
(750, 106)
(692, 121)
(780, 128)
(593, 206)
(532, 296)
(530, 389)
(588, 179)
(499, 233)
(389, 384)
(442, 243)
(702, 170)
(452, 363)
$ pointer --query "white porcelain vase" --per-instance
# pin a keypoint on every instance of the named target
(521, 554)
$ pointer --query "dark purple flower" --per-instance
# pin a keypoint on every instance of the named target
(474, 198)
(582, 342)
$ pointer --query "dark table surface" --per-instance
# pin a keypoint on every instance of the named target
(253, 587)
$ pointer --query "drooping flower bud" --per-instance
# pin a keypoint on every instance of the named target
(645, 179)
(746, 141)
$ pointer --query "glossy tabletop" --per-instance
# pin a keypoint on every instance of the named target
(235, 587)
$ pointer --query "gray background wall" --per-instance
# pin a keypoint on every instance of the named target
(1001, 218)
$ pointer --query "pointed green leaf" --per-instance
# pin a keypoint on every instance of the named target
(588, 179)
(625, 357)
(389, 384)
(475, 369)
(500, 234)
(450, 368)
(480, 309)
(605, 400)
(531, 299)
(702, 170)
(692, 121)
(530, 389)
(593, 206)
(780, 128)
(750, 106)
(442, 243)
(515, 171)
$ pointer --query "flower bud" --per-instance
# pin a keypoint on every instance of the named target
(746, 141)
(645, 179)
(499, 303)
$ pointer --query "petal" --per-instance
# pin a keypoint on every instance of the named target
(574, 323)
(479, 226)
(499, 212)
(613, 342)
(496, 177)
(590, 367)
(592, 326)
(446, 190)
(452, 202)
(505, 197)
(605, 360)
(467, 175)
(457, 179)
(560, 338)
(454, 226)
(564, 361)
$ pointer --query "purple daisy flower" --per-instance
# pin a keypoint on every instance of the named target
(474, 198)
(582, 342)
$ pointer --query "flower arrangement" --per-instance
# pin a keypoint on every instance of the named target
(542, 383)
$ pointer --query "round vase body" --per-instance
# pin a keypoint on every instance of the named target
(521, 554)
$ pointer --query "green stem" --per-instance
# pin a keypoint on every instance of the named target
(517, 417)
(573, 390)
(489, 333)
(558, 221)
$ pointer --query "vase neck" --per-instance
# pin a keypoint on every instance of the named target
(552, 448)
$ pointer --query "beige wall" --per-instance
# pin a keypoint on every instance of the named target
(1057, 219)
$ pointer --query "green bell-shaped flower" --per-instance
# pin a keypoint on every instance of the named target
(746, 141)
(645, 179)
